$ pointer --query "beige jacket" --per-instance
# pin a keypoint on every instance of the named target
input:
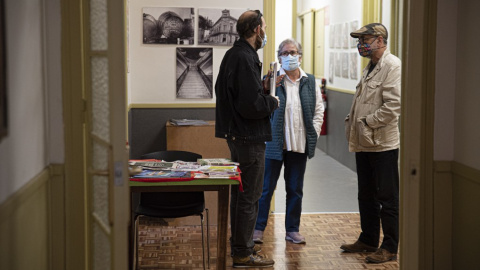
(372, 125)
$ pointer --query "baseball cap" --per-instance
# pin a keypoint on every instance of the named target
(374, 29)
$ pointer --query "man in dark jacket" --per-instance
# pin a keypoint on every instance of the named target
(242, 118)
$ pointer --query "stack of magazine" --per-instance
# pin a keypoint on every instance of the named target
(187, 122)
(203, 168)
(211, 171)
(216, 161)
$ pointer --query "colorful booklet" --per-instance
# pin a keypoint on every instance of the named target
(216, 161)
(163, 174)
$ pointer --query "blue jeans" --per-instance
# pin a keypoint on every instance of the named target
(244, 205)
(378, 197)
(295, 165)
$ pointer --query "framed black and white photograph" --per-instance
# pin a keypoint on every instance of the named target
(218, 26)
(353, 65)
(345, 70)
(331, 69)
(168, 25)
(345, 36)
(353, 27)
(194, 72)
(338, 65)
(338, 35)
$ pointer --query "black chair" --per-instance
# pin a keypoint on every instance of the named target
(172, 204)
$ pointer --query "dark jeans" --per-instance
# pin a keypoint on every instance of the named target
(244, 205)
(295, 164)
(378, 195)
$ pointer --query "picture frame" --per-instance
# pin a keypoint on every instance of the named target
(218, 27)
(194, 73)
(168, 25)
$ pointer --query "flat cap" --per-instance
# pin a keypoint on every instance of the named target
(374, 29)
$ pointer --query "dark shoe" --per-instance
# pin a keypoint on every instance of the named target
(252, 261)
(258, 237)
(257, 250)
(358, 247)
(381, 256)
(295, 237)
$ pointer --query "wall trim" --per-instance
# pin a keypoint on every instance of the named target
(443, 166)
(170, 105)
(294, 18)
(8, 207)
(269, 50)
(341, 90)
(466, 172)
(457, 168)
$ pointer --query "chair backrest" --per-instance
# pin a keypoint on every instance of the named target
(172, 155)
(175, 204)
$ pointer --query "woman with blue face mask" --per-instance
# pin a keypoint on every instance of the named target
(296, 126)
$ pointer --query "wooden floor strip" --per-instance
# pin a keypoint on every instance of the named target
(167, 247)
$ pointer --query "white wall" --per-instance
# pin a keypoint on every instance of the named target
(338, 12)
(53, 82)
(283, 22)
(23, 153)
(467, 94)
(445, 80)
(152, 77)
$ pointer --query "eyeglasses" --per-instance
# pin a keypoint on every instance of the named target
(286, 53)
(258, 20)
(362, 40)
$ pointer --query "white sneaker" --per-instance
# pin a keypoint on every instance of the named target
(258, 237)
(295, 237)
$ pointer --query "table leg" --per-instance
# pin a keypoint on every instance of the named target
(222, 231)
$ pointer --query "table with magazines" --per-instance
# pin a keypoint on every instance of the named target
(179, 176)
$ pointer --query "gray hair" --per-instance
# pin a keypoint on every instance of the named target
(290, 41)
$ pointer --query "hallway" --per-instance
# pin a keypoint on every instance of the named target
(329, 187)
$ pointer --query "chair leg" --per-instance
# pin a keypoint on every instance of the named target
(208, 240)
(135, 244)
(203, 241)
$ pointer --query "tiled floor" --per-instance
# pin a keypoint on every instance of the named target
(165, 247)
(329, 187)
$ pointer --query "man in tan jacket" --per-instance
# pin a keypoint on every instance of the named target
(372, 133)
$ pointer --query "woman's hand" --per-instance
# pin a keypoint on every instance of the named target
(266, 81)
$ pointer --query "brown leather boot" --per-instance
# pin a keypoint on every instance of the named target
(252, 261)
(381, 256)
(358, 247)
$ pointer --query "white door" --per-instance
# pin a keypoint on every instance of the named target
(94, 79)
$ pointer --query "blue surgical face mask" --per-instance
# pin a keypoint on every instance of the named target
(264, 42)
(290, 62)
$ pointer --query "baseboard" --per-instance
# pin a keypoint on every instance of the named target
(466, 172)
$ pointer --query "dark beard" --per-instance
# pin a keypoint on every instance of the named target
(259, 41)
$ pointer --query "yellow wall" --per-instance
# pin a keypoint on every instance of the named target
(456, 201)
(465, 216)
(24, 227)
(32, 224)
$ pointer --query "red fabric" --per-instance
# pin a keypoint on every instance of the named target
(182, 179)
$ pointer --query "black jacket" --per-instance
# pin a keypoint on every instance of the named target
(242, 110)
